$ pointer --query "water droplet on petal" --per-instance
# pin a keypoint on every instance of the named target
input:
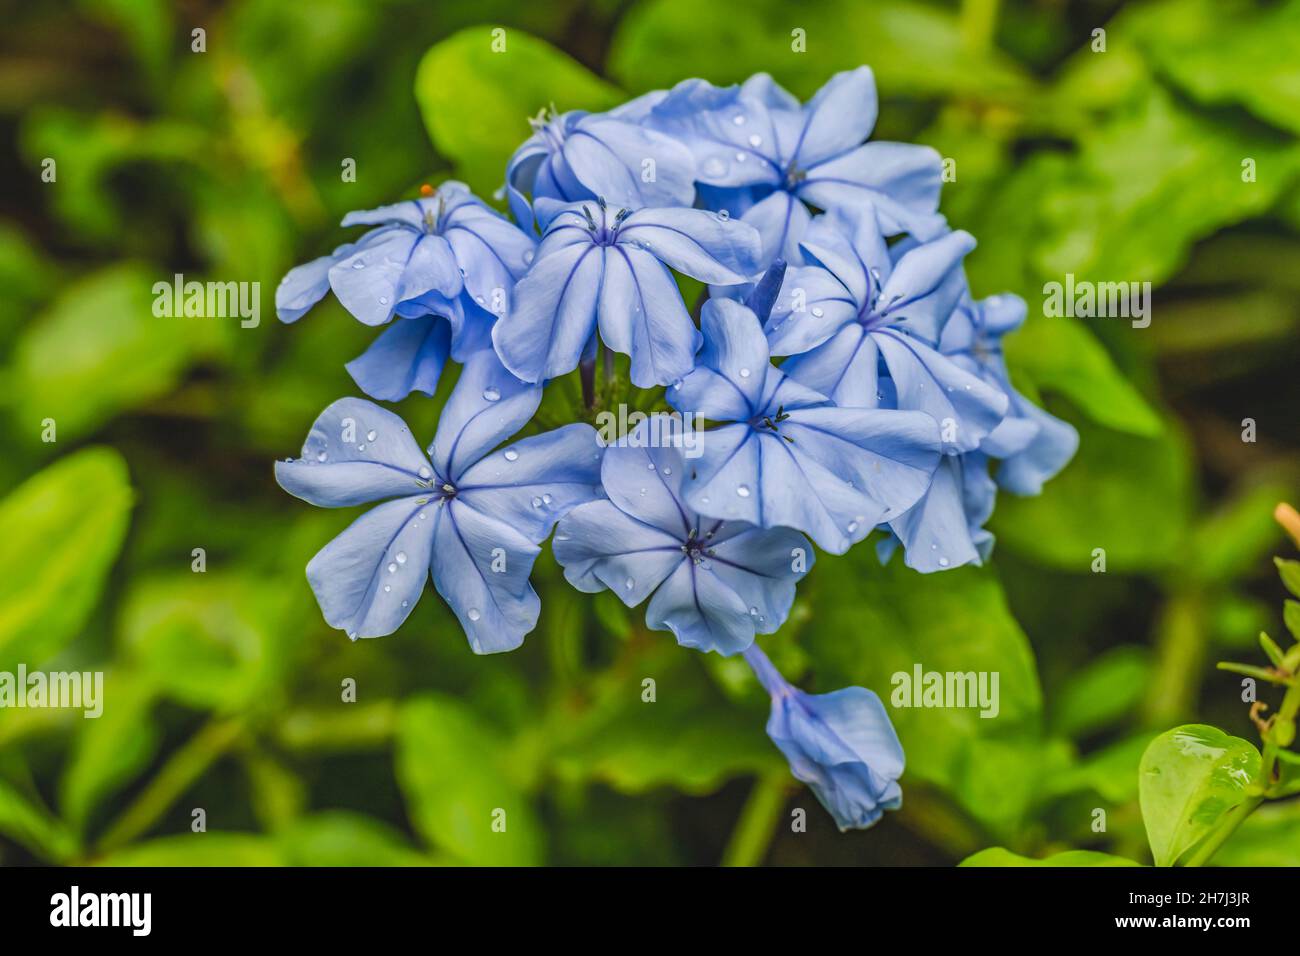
(546, 499)
(383, 300)
(723, 215)
(392, 568)
(424, 473)
(629, 584)
(744, 373)
(491, 394)
(817, 311)
(371, 435)
(755, 140)
(321, 457)
(740, 157)
(943, 562)
(512, 455)
(714, 167)
(358, 264)
(474, 614)
(528, 256)
(537, 502)
(401, 557)
(739, 119)
(667, 470)
(387, 588)
(742, 490)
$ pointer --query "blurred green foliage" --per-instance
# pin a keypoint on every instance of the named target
(224, 689)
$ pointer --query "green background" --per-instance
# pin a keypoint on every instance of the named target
(223, 689)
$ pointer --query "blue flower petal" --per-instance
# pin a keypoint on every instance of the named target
(945, 528)
(487, 406)
(408, 356)
(480, 567)
(719, 127)
(698, 243)
(608, 156)
(641, 314)
(781, 220)
(600, 546)
(355, 452)
(369, 578)
(542, 478)
(553, 313)
(900, 179)
(839, 117)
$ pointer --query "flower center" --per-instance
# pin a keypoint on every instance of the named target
(698, 548)
(772, 422)
(604, 233)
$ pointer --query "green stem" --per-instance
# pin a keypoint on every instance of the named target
(757, 824)
(1236, 816)
(184, 767)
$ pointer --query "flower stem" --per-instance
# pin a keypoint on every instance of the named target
(757, 824)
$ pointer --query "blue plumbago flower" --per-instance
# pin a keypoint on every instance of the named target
(445, 262)
(578, 155)
(715, 583)
(471, 516)
(789, 457)
(945, 529)
(1032, 444)
(841, 744)
(762, 155)
(863, 304)
(597, 267)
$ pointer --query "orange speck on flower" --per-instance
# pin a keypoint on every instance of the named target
(426, 190)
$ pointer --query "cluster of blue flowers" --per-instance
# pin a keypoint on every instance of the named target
(852, 381)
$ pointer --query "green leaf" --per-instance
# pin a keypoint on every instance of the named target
(1060, 355)
(1290, 573)
(476, 103)
(1291, 617)
(212, 641)
(1112, 772)
(111, 749)
(1189, 778)
(1130, 496)
(34, 827)
(449, 764)
(200, 849)
(63, 529)
(1102, 692)
(998, 856)
(99, 350)
(687, 738)
(339, 838)
(1122, 216)
(1256, 63)
(1228, 543)
(915, 49)
(870, 623)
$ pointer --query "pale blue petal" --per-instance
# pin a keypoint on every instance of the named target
(966, 407)
(369, 578)
(701, 611)
(480, 567)
(486, 407)
(553, 314)
(609, 157)
(901, 180)
(781, 220)
(599, 546)
(645, 479)
(717, 126)
(698, 243)
(408, 356)
(355, 452)
(641, 314)
(547, 476)
(839, 117)
(845, 367)
(368, 281)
